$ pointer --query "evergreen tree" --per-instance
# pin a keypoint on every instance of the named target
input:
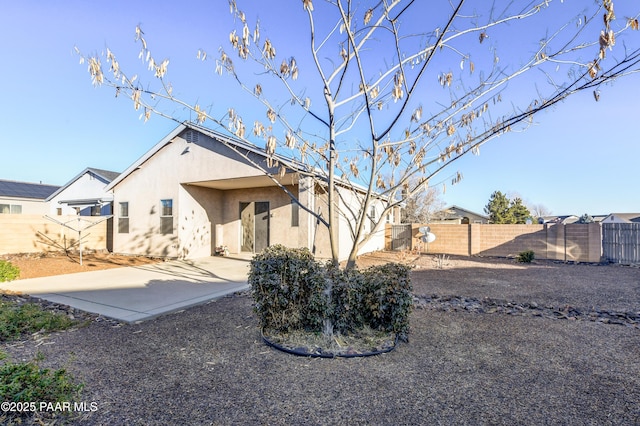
(585, 218)
(498, 208)
(501, 210)
(518, 212)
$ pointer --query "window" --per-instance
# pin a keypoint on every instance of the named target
(59, 211)
(95, 210)
(10, 209)
(295, 213)
(123, 219)
(372, 216)
(166, 217)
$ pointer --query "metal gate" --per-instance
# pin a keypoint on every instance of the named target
(621, 242)
(400, 237)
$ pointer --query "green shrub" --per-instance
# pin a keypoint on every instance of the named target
(348, 299)
(290, 291)
(378, 297)
(16, 320)
(388, 298)
(8, 271)
(526, 256)
(28, 382)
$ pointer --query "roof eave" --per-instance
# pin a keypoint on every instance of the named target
(75, 178)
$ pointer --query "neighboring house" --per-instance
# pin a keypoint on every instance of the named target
(197, 190)
(568, 219)
(84, 195)
(24, 197)
(622, 218)
(457, 215)
(565, 220)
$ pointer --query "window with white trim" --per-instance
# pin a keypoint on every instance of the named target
(123, 218)
(10, 209)
(295, 214)
(166, 216)
(372, 216)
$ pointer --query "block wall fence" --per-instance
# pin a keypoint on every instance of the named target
(25, 233)
(573, 242)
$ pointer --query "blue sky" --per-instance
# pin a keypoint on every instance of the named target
(579, 157)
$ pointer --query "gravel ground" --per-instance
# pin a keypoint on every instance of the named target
(33, 265)
(207, 365)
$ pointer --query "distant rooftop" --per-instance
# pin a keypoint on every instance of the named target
(106, 174)
(629, 217)
(38, 191)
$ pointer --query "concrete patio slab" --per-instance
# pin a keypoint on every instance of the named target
(138, 293)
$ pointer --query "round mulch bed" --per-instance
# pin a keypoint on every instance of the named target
(317, 345)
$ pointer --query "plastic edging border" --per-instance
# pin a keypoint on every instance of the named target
(326, 354)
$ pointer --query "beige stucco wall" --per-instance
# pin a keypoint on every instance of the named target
(200, 210)
(321, 243)
(345, 219)
(143, 192)
(375, 236)
(307, 222)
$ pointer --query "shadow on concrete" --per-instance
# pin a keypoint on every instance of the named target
(155, 298)
(139, 293)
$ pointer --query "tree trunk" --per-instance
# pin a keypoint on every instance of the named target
(332, 199)
(327, 329)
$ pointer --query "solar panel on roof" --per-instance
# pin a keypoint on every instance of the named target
(26, 190)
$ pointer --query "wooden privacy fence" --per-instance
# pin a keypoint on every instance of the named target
(621, 242)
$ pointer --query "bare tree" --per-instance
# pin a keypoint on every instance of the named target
(398, 90)
(422, 205)
(539, 210)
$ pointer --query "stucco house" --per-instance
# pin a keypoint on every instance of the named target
(622, 218)
(563, 219)
(84, 194)
(197, 190)
(24, 197)
(458, 215)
